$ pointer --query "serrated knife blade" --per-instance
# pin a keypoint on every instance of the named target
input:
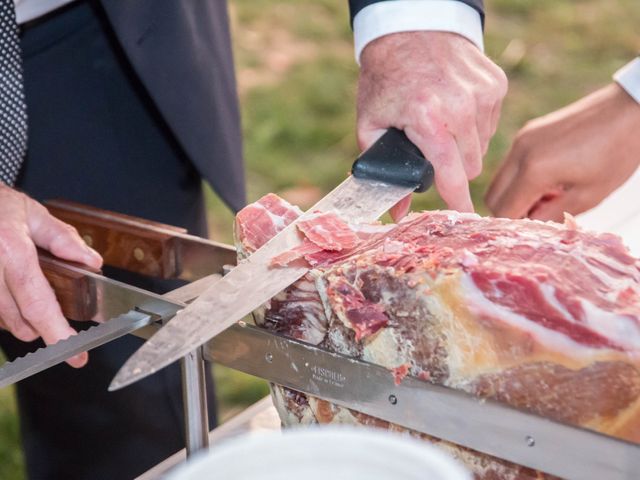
(43, 358)
(120, 309)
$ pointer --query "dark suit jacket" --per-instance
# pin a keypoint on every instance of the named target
(181, 50)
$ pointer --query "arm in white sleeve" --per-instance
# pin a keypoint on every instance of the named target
(628, 77)
(383, 18)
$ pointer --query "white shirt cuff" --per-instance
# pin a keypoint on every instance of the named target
(628, 77)
(383, 18)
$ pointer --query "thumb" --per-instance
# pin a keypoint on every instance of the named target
(400, 209)
(368, 136)
(59, 238)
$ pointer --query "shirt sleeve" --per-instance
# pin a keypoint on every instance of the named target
(384, 18)
(628, 77)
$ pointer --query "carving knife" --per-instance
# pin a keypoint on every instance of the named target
(383, 175)
(131, 243)
(118, 309)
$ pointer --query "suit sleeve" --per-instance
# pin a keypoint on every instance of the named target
(356, 5)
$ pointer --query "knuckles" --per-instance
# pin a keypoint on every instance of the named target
(13, 246)
(34, 308)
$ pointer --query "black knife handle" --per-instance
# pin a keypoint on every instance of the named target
(396, 160)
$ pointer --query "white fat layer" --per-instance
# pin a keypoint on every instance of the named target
(320, 230)
(549, 294)
(552, 339)
(315, 315)
(321, 287)
(314, 330)
(387, 350)
(371, 227)
(278, 222)
(288, 417)
(616, 284)
(340, 415)
(620, 329)
(469, 259)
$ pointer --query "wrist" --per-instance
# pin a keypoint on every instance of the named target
(400, 46)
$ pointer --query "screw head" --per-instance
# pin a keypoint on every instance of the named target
(88, 239)
(393, 399)
(138, 254)
(269, 357)
(530, 441)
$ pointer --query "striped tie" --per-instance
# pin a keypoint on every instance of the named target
(13, 111)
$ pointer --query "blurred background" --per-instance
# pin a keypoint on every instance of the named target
(297, 78)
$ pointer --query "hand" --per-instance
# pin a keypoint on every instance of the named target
(28, 306)
(571, 159)
(443, 92)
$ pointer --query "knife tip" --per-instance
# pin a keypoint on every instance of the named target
(126, 377)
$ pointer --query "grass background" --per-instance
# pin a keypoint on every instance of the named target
(297, 79)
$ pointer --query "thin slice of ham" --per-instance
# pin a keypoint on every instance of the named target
(325, 235)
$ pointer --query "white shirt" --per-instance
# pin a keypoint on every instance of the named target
(628, 77)
(371, 22)
(29, 9)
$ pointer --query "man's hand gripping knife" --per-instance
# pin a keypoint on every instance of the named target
(444, 93)
(28, 306)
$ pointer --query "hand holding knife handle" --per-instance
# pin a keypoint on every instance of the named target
(396, 160)
(125, 242)
(74, 291)
(143, 246)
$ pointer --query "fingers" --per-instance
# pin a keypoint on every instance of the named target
(11, 319)
(518, 197)
(502, 180)
(59, 238)
(367, 136)
(35, 299)
(470, 150)
(450, 176)
(400, 209)
(553, 207)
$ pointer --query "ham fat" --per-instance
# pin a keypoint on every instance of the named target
(541, 316)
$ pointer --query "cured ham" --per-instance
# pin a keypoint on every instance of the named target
(541, 316)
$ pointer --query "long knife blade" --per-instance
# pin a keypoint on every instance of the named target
(482, 425)
(85, 340)
(253, 282)
(386, 173)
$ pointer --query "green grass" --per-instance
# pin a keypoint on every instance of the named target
(297, 81)
(11, 460)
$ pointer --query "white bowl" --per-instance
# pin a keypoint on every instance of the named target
(322, 453)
